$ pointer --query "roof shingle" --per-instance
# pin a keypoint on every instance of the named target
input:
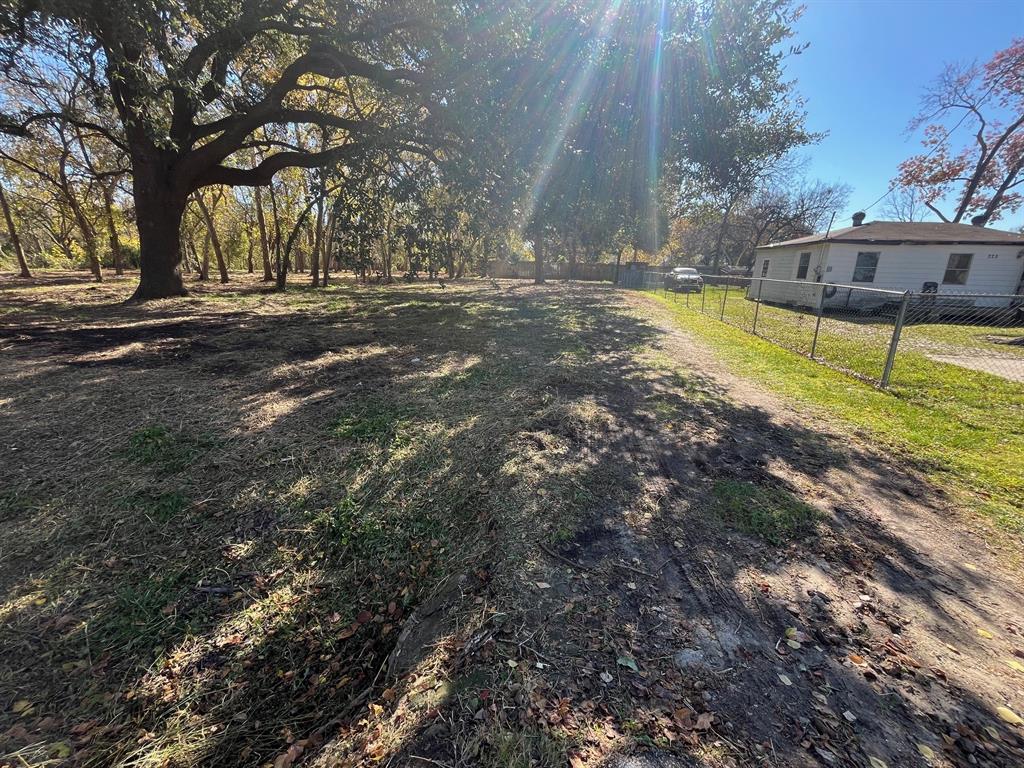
(917, 232)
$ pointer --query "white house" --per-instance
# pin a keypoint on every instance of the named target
(927, 257)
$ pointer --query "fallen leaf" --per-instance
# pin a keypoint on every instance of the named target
(876, 763)
(606, 677)
(986, 634)
(626, 661)
(785, 680)
(1009, 716)
(60, 750)
(21, 705)
(857, 659)
(794, 645)
(543, 585)
(704, 720)
(926, 752)
(1015, 665)
(850, 717)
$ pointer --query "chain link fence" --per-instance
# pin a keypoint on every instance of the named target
(870, 333)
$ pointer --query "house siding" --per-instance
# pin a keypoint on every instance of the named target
(994, 269)
(783, 265)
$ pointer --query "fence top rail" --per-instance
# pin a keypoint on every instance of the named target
(809, 284)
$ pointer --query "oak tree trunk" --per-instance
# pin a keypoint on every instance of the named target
(159, 208)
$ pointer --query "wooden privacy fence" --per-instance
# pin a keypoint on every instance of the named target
(561, 271)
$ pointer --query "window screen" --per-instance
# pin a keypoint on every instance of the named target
(867, 264)
(803, 266)
(957, 268)
(764, 267)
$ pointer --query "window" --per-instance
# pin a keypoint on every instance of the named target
(957, 268)
(867, 263)
(804, 265)
(764, 267)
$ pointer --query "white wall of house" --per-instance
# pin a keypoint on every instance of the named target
(784, 264)
(993, 268)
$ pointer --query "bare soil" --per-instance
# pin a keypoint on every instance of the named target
(477, 525)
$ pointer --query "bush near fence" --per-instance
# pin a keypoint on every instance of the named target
(876, 334)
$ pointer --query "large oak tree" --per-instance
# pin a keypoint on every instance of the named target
(193, 84)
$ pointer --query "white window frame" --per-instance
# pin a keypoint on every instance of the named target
(800, 265)
(874, 269)
(950, 268)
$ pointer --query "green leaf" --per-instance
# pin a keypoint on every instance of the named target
(626, 661)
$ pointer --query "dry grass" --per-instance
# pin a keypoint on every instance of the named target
(472, 525)
(220, 511)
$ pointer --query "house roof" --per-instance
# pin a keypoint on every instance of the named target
(914, 232)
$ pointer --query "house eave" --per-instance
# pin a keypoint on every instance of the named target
(865, 241)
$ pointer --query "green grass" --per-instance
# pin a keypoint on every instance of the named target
(168, 451)
(964, 429)
(855, 344)
(771, 513)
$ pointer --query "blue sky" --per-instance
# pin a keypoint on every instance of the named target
(864, 73)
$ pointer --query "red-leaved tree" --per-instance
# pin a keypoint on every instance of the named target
(981, 178)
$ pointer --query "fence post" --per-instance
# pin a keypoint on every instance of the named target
(901, 316)
(817, 322)
(725, 296)
(687, 298)
(757, 303)
(703, 293)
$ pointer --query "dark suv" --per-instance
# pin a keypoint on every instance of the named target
(684, 280)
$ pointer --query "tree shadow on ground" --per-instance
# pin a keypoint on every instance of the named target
(256, 527)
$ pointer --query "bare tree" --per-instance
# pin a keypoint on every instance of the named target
(904, 204)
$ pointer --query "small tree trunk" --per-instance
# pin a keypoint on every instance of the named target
(212, 237)
(88, 235)
(280, 259)
(115, 241)
(204, 264)
(538, 259)
(327, 246)
(717, 257)
(268, 269)
(13, 232)
(318, 237)
(618, 262)
(249, 266)
(190, 255)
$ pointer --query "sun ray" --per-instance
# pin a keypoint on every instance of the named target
(572, 111)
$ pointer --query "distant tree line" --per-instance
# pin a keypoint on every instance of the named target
(390, 139)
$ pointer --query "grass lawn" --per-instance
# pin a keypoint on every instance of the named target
(964, 428)
(488, 524)
(219, 511)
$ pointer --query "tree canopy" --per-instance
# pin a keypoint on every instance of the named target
(570, 122)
